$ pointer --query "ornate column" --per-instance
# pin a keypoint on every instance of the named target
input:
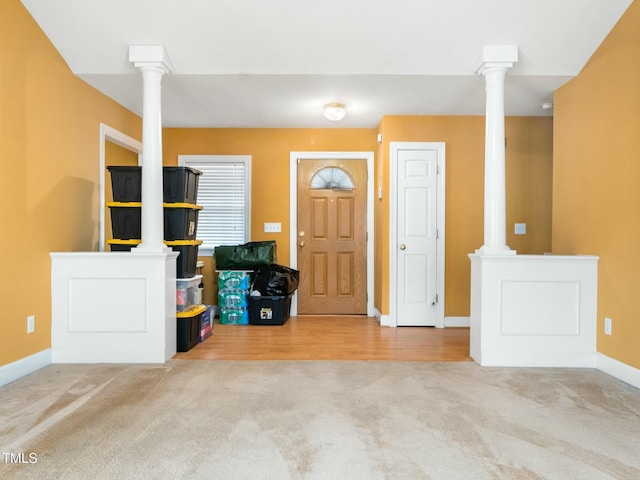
(153, 62)
(495, 62)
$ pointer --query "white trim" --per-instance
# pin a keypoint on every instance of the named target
(112, 135)
(540, 358)
(440, 225)
(384, 320)
(23, 367)
(293, 213)
(457, 321)
(621, 371)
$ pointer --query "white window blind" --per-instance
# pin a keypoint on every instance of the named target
(224, 193)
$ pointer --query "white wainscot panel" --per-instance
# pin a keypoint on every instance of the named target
(113, 307)
(107, 304)
(540, 308)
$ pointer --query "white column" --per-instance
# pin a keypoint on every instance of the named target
(153, 62)
(496, 61)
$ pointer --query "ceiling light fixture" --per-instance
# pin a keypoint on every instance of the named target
(334, 111)
(547, 106)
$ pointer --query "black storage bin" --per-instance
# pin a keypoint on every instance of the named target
(126, 183)
(273, 310)
(180, 184)
(188, 328)
(125, 219)
(188, 258)
(118, 245)
(180, 221)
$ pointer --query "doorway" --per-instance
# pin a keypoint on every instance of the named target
(417, 213)
(295, 157)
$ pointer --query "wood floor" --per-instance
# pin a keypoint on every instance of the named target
(332, 338)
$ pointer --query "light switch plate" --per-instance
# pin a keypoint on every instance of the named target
(272, 227)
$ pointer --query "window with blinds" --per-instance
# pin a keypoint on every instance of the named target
(224, 191)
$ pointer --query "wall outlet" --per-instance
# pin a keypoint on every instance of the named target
(31, 323)
(273, 227)
(520, 228)
(607, 325)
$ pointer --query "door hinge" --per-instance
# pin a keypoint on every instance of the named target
(437, 234)
(435, 300)
(437, 169)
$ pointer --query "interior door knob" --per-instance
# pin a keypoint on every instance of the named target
(301, 244)
(402, 246)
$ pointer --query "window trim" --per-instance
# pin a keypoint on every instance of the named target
(194, 160)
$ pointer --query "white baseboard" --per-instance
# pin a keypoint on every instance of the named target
(457, 321)
(619, 370)
(110, 355)
(383, 320)
(20, 368)
(537, 358)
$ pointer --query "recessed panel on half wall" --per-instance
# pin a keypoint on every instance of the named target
(540, 308)
(107, 305)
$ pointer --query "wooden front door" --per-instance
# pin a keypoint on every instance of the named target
(332, 237)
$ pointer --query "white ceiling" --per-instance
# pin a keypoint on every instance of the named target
(274, 63)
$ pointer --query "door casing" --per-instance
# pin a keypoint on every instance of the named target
(392, 319)
(293, 213)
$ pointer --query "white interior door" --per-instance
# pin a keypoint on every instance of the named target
(417, 292)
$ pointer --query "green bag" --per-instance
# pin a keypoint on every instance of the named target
(247, 256)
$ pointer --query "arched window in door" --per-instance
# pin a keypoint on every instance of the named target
(331, 178)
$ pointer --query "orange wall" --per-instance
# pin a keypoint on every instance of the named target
(528, 164)
(596, 176)
(49, 173)
(269, 150)
(528, 191)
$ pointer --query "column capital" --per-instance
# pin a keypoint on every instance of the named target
(150, 56)
(497, 57)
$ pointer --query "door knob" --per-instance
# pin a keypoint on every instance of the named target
(301, 244)
(301, 233)
(402, 246)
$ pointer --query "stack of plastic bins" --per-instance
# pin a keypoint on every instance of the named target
(126, 185)
(180, 194)
(233, 288)
(180, 227)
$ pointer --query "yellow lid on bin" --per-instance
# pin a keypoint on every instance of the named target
(192, 312)
(182, 243)
(125, 204)
(117, 241)
(182, 205)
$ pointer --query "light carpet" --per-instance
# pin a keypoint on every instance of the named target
(200, 419)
